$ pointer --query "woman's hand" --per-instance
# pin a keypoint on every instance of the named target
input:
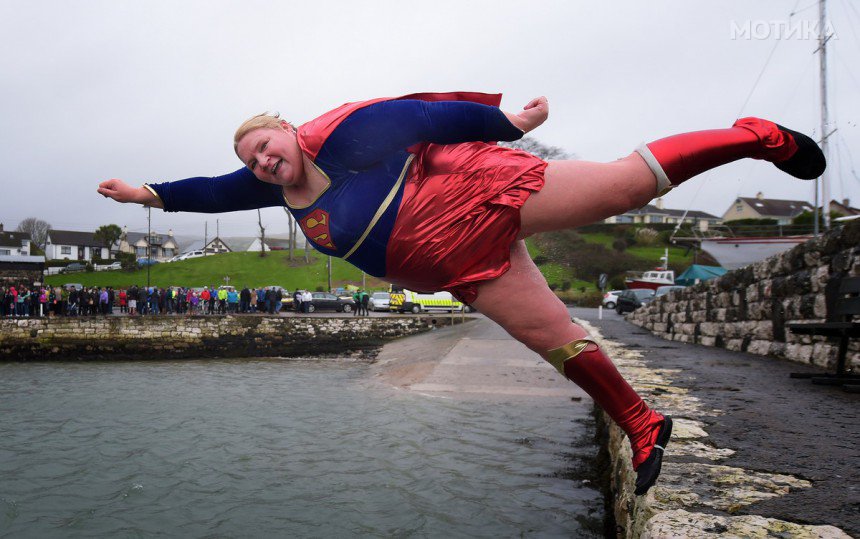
(534, 113)
(123, 192)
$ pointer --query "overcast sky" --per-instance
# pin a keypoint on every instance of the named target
(152, 91)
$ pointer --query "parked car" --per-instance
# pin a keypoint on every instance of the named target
(611, 298)
(68, 286)
(379, 301)
(632, 299)
(663, 290)
(191, 254)
(74, 267)
(323, 301)
(146, 262)
(108, 267)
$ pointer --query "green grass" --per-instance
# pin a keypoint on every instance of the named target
(244, 269)
(249, 269)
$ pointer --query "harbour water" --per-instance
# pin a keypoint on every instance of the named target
(281, 448)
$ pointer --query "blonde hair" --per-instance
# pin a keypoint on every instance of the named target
(266, 120)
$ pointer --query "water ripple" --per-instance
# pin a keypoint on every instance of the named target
(277, 448)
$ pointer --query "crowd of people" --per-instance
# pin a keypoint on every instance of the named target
(25, 301)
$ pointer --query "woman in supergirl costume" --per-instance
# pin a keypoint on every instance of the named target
(414, 190)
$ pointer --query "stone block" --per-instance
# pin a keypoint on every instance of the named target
(752, 292)
(736, 345)
(801, 353)
(823, 354)
(760, 347)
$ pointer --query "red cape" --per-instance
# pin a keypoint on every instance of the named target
(314, 133)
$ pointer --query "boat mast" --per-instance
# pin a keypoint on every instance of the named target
(822, 50)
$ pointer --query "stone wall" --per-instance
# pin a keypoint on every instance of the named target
(173, 337)
(748, 309)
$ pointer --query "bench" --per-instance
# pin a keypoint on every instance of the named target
(842, 298)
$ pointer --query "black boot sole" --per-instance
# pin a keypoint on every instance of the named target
(649, 470)
(808, 161)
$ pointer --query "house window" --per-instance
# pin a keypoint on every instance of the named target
(140, 251)
(739, 208)
(168, 252)
(5, 252)
(65, 250)
(654, 219)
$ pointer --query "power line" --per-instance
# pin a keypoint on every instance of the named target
(763, 69)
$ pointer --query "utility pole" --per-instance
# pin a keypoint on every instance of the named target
(205, 236)
(822, 49)
(329, 274)
(148, 242)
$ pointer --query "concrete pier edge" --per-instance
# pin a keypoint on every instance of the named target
(690, 499)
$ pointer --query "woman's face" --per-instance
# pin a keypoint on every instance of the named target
(273, 155)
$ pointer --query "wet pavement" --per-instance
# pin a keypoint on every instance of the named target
(775, 424)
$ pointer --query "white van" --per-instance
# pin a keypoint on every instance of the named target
(191, 254)
(407, 301)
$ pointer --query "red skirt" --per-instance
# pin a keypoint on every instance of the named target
(459, 215)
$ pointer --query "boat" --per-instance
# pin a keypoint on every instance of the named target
(737, 252)
(659, 276)
(652, 279)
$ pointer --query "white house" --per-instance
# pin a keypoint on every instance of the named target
(73, 245)
(656, 213)
(156, 245)
(783, 211)
(14, 243)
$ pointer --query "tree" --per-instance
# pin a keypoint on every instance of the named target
(107, 235)
(537, 148)
(262, 234)
(37, 229)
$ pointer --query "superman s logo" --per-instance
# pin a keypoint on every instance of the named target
(315, 225)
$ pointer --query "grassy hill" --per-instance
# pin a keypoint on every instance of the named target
(243, 269)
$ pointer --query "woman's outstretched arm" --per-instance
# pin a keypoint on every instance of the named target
(236, 191)
(371, 133)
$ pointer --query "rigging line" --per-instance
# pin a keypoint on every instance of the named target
(839, 168)
(801, 10)
(848, 69)
(854, 9)
(695, 196)
(763, 69)
(848, 17)
(850, 156)
(797, 85)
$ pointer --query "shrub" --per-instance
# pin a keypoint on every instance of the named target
(646, 236)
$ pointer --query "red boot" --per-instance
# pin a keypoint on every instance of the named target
(680, 157)
(585, 364)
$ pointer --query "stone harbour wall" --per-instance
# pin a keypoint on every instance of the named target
(696, 495)
(175, 337)
(747, 309)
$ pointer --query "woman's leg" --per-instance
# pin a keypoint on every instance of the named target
(577, 193)
(541, 322)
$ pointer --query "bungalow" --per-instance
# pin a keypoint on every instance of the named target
(656, 213)
(783, 211)
(73, 245)
(843, 208)
(157, 246)
(14, 243)
(215, 246)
